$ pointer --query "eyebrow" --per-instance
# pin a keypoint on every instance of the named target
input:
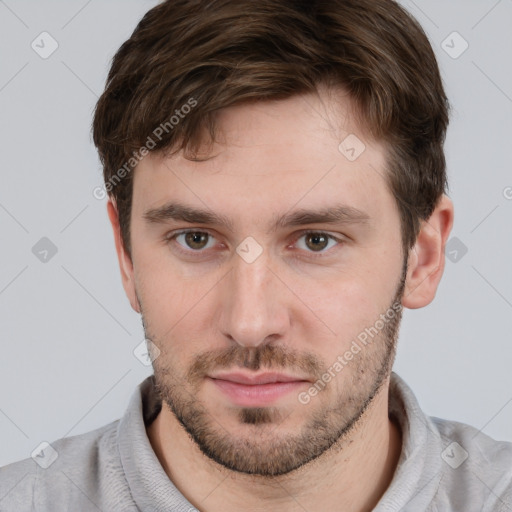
(338, 214)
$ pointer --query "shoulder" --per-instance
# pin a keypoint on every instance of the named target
(475, 463)
(63, 470)
(465, 443)
(455, 465)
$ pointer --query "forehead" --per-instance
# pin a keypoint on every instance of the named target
(269, 156)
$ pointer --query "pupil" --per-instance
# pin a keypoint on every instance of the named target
(194, 239)
(316, 239)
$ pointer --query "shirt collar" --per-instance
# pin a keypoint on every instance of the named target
(419, 470)
(151, 488)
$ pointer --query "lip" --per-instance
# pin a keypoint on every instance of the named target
(262, 378)
(256, 390)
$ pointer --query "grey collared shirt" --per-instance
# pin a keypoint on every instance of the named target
(444, 466)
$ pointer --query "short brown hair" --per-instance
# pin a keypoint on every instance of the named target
(217, 53)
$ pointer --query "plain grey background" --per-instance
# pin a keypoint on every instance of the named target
(68, 331)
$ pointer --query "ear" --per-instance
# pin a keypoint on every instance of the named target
(426, 259)
(125, 263)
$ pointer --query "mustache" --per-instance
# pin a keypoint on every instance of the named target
(268, 356)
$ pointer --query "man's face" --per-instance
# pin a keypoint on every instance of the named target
(250, 293)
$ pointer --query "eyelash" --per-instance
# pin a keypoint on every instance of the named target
(172, 236)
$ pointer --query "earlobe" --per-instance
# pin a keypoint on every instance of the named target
(125, 263)
(426, 259)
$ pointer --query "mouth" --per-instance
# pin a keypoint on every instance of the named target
(248, 390)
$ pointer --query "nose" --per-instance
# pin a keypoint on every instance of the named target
(254, 307)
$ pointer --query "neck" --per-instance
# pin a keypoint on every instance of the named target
(351, 476)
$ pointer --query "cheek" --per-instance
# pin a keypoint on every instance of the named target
(342, 308)
(177, 311)
(163, 294)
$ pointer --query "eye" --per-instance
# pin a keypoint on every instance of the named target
(317, 241)
(195, 240)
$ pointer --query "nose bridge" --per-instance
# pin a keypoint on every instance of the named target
(252, 310)
(251, 279)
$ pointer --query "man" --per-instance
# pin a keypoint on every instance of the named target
(276, 183)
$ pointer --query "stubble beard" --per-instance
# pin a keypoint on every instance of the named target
(266, 450)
